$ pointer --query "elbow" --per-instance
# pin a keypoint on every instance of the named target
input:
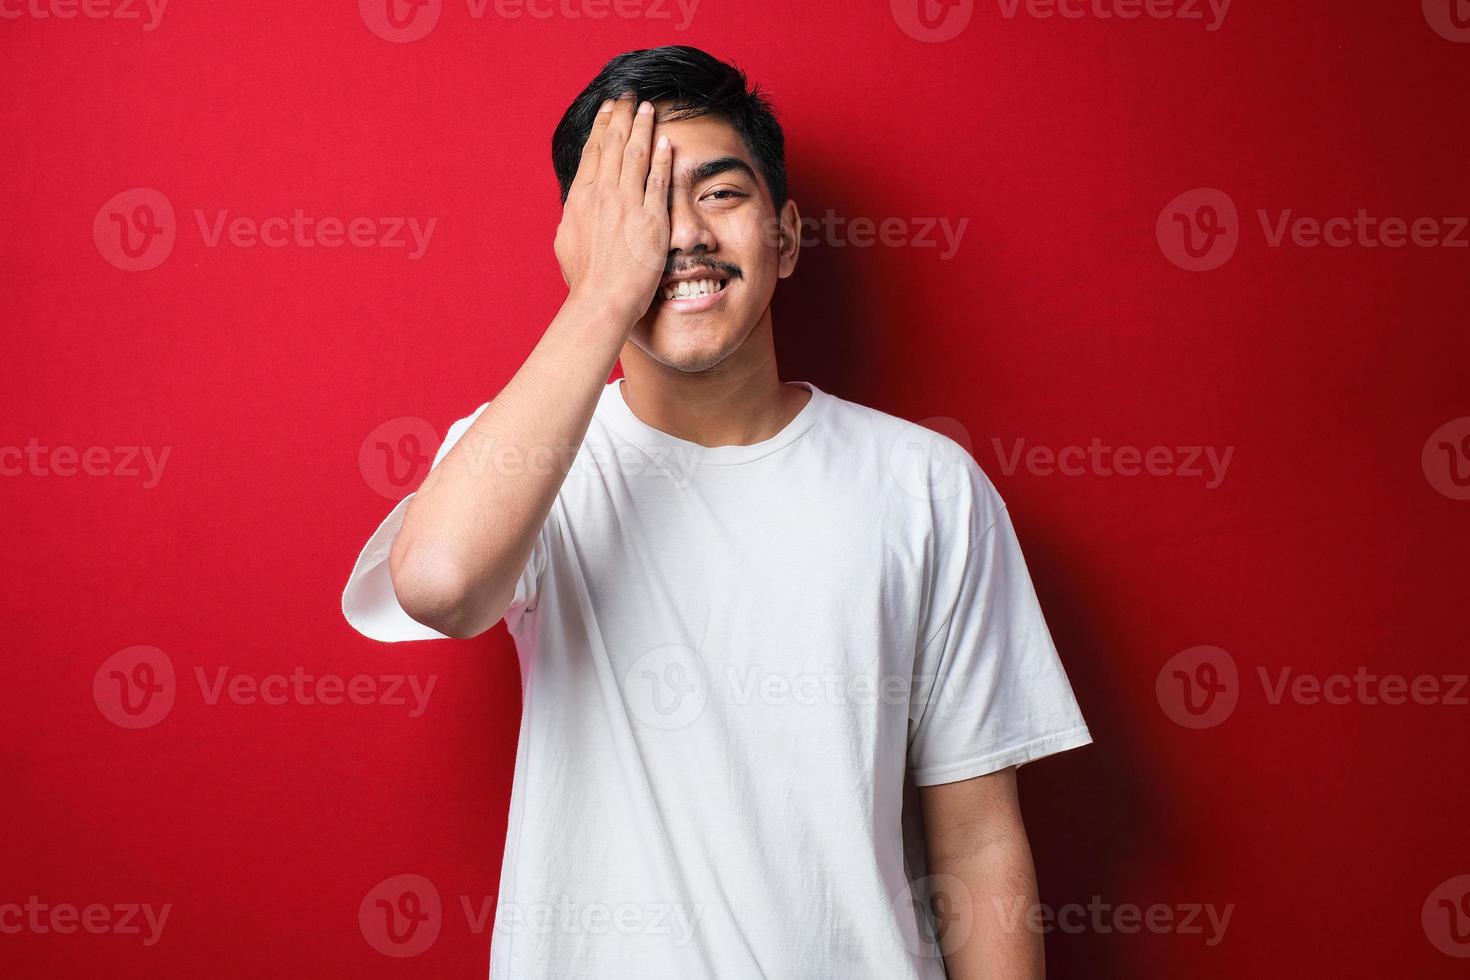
(432, 591)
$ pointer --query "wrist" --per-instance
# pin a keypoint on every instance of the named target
(593, 325)
(600, 309)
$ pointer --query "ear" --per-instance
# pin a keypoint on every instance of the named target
(788, 228)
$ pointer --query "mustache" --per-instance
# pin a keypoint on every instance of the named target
(722, 269)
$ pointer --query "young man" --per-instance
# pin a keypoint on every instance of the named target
(746, 610)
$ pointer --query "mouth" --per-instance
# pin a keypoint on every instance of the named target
(692, 295)
(691, 288)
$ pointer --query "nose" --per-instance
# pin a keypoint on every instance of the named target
(688, 230)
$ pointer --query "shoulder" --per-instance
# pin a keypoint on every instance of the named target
(928, 461)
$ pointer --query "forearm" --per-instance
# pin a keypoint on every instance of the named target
(986, 928)
(470, 528)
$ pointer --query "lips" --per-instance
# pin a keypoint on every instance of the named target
(691, 288)
(692, 291)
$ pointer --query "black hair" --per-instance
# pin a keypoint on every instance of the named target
(698, 84)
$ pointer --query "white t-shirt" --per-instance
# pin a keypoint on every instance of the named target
(730, 659)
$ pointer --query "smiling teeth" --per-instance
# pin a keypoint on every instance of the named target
(688, 288)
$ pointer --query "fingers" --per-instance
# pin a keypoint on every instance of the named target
(660, 170)
(614, 139)
(592, 149)
(635, 154)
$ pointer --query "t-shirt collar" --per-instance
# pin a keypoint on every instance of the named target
(614, 408)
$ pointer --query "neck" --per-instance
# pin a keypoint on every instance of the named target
(737, 402)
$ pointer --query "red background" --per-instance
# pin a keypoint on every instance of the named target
(1059, 320)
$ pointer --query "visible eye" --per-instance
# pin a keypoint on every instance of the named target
(725, 194)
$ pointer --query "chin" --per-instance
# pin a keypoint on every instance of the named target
(689, 359)
(679, 343)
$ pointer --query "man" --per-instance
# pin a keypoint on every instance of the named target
(746, 611)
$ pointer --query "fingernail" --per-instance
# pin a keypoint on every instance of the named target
(644, 108)
(607, 105)
(663, 142)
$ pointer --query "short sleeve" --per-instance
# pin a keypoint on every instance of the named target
(989, 688)
(369, 602)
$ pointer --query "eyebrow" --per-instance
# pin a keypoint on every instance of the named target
(720, 165)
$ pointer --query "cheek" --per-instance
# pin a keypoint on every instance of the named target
(753, 242)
